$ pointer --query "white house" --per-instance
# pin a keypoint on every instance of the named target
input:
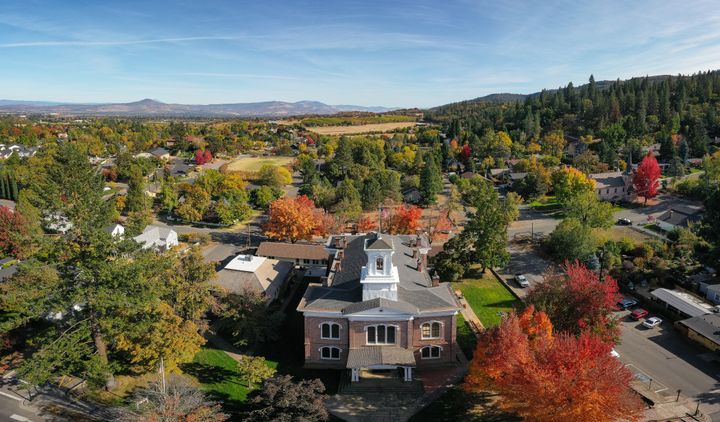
(115, 230)
(159, 238)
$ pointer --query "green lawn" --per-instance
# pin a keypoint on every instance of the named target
(216, 373)
(486, 296)
(465, 337)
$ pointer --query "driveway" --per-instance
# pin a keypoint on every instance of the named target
(671, 361)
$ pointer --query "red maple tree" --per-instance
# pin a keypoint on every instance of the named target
(199, 158)
(207, 156)
(544, 377)
(647, 177)
(578, 301)
(466, 152)
(14, 233)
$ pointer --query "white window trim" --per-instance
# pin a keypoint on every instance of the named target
(442, 325)
(330, 347)
(430, 346)
(397, 335)
(331, 323)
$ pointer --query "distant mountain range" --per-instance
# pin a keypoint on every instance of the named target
(154, 108)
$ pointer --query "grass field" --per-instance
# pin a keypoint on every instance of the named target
(352, 130)
(253, 164)
(217, 374)
(486, 296)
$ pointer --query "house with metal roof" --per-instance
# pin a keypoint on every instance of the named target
(378, 309)
(681, 303)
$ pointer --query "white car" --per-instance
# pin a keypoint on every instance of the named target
(652, 322)
(522, 280)
(614, 353)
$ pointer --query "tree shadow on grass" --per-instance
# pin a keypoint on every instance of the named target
(209, 374)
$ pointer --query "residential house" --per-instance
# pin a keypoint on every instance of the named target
(160, 153)
(309, 256)
(681, 303)
(7, 150)
(679, 216)
(412, 195)
(703, 329)
(615, 185)
(115, 230)
(256, 273)
(159, 238)
(378, 309)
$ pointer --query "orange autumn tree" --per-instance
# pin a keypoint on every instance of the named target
(366, 224)
(541, 376)
(404, 220)
(293, 219)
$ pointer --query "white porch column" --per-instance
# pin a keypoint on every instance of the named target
(408, 373)
(355, 375)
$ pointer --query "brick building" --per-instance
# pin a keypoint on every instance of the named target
(378, 309)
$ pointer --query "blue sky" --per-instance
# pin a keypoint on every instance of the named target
(392, 53)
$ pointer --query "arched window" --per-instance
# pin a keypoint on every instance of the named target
(430, 352)
(330, 330)
(430, 329)
(330, 352)
(381, 334)
(379, 264)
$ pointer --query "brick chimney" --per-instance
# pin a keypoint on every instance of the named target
(415, 253)
(340, 254)
(420, 265)
(338, 266)
(435, 279)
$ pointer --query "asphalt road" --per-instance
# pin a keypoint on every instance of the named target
(12, 410)
(673, 362)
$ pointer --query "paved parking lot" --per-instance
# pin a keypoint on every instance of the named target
(671, 361)
(524, 260)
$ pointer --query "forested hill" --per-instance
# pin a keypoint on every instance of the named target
(649, 107)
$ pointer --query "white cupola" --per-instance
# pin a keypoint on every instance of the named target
(380, 276)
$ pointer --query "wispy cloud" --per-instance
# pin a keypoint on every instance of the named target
(91, 43)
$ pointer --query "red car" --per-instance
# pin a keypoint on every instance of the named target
(639, 313)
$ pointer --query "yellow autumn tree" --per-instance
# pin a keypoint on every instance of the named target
(568, 182)
(553, 143)
(167, 335)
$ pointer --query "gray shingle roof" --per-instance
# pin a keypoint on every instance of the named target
(379, 303)
(379, 243)
(380, 355)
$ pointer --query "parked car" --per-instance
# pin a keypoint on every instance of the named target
(652, 322)
(624, 222)
(626, 303)
(614, 353)
(637, 314)
(522, 280)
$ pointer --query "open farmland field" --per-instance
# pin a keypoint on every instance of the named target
(250, 164)
(353, 130)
